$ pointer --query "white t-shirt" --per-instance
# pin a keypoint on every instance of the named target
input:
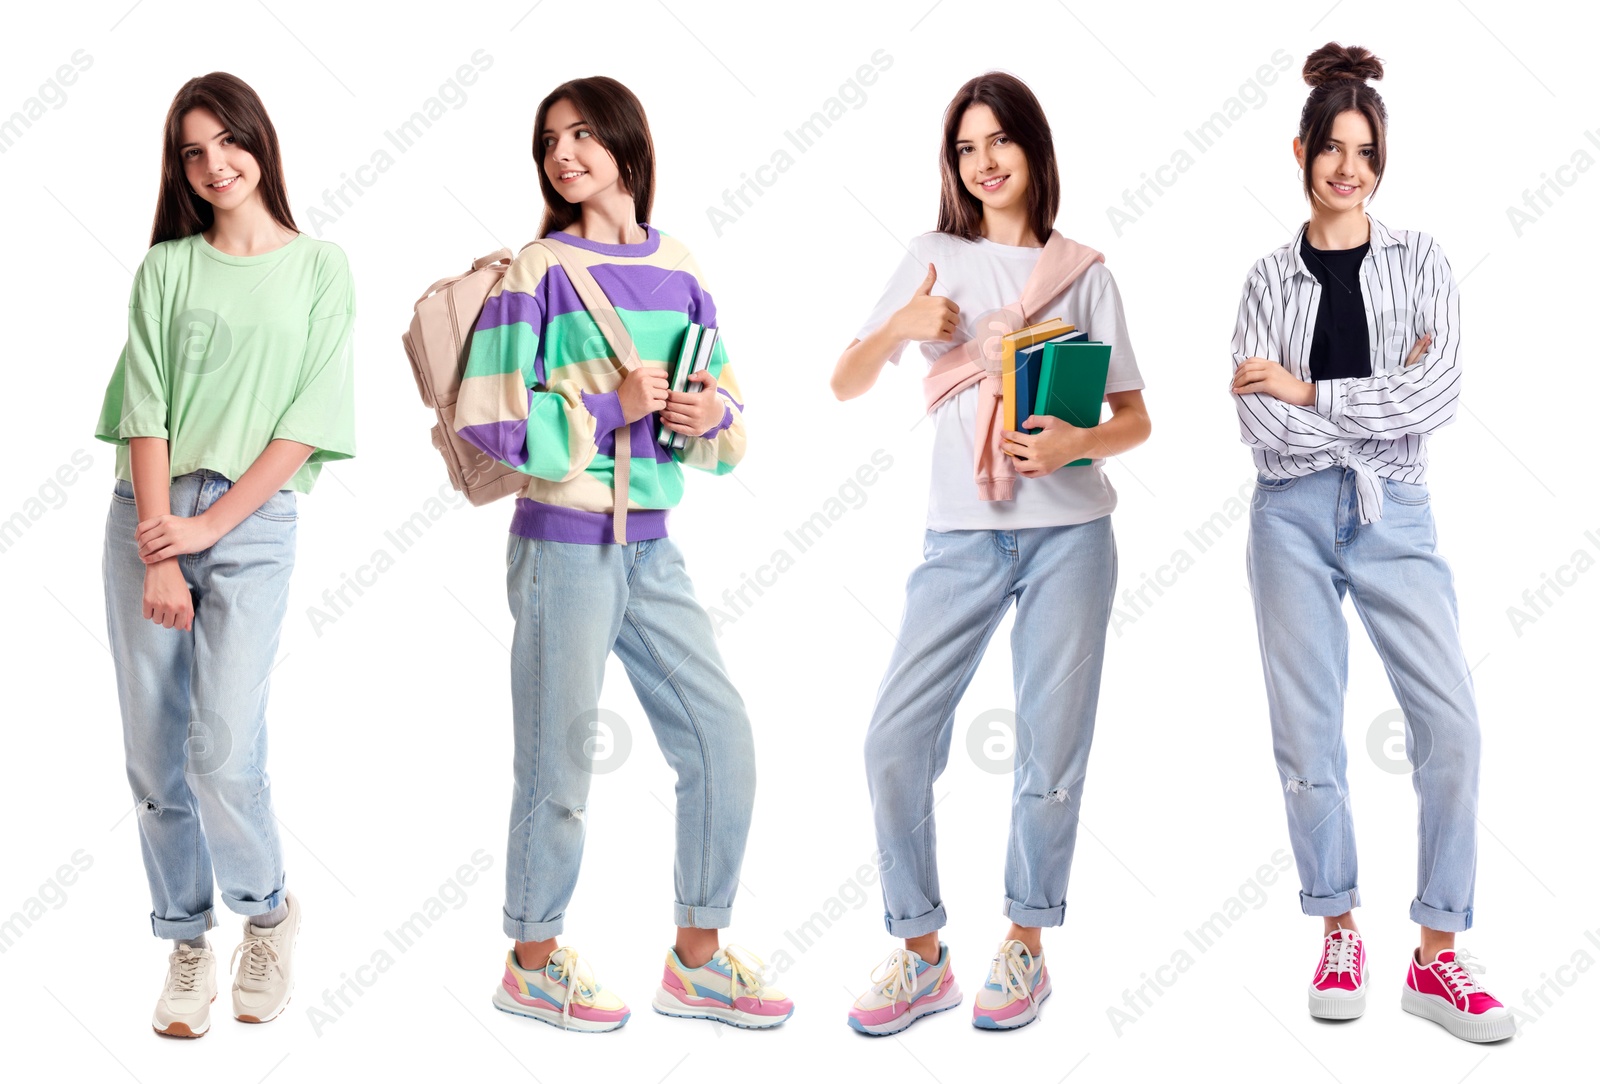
(982, 276)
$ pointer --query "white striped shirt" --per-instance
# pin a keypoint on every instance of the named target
(1378, 424)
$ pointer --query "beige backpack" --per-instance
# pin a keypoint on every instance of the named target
(436, 346)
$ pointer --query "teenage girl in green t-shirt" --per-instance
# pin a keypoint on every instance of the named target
(233, 388)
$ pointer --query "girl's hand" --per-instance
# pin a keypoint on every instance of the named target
(643, 391)
(169, 536)
(926, 318)
(1039, 454)
(167, 601)
(693, 412)
(1258, 376)
(1420, 349)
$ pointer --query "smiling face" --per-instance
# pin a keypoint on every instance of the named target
(577, 165)
(993, 167)
(1342, 175)
(220, 171)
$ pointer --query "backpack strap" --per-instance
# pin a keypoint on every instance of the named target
(627, 355)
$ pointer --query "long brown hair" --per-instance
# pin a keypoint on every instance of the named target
(1022, 118)
(616, 118)
(1337, 75)
(179, 211)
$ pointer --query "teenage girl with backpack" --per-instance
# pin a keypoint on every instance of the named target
(232, 391)
(1346, 357)
(1037, 532)
(543, 391)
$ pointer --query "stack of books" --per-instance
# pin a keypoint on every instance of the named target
(1052, 369)
(693, 356)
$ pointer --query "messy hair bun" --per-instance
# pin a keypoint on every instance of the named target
(1337, 75)
(1334, 62)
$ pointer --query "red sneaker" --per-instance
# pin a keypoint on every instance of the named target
(1339, 988)
(1447, 992)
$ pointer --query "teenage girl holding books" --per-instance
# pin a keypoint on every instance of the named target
(232, 391)
(543, 392)
(1007, 521)
(1346, 357)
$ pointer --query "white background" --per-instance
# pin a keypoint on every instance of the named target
(390, 737)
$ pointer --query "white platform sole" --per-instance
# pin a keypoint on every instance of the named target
(1473, 1029)
(506, 1003)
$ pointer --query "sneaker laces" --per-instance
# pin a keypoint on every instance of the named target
(1341, 955)
(744, 967)
(1008, 972)
(896, 977)
(183, 974)
(580, 984)
(1460, 973)
(260, 955)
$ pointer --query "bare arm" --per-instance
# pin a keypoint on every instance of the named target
(924, 318)
(166, 599)
(1060, 443)
(163, 536)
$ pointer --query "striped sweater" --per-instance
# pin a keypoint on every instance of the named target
(539, 392)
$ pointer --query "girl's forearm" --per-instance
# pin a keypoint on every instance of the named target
(858, 367)
(1126, 429)
(273, 467)
(152, 481)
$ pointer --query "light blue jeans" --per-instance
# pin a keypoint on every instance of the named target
(1062, 579)
(574, 604)
(194, 707)
(1307, 550)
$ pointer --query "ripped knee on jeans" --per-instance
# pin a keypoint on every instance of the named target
(1294, 784)
(1056, 796)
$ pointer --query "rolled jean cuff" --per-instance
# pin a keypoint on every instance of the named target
(685, 916)
(915, 927)
(1034, 916)
(182, 929)
(253, 907)
(518, 930)
(1329, 906)
(1444, 921)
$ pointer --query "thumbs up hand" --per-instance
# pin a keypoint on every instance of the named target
(926, 318)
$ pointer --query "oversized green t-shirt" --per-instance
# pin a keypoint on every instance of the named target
(228, 353)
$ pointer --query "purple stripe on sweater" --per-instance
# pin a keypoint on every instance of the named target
(727, 420)
(553, 296)
(639, 287)
(642, 440)
(554, 523)
(505, 441)
(647, 247)
(731, 399)
(606, 407)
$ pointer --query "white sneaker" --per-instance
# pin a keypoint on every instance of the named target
(264, 977)
(184, 1009)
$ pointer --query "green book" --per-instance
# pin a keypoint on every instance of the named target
(1072, 384)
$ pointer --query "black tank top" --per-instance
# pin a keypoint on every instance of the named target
(1339, 346)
